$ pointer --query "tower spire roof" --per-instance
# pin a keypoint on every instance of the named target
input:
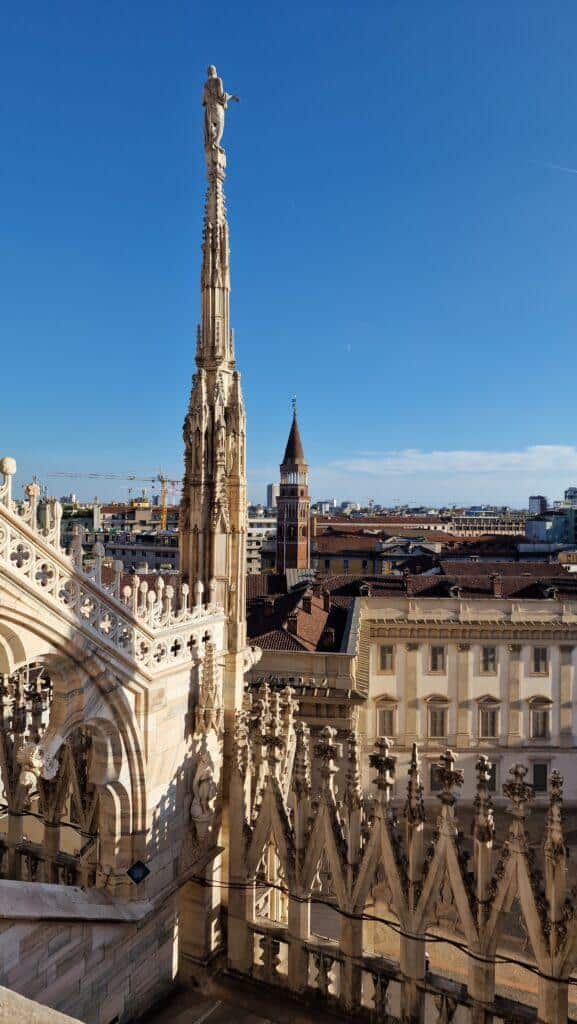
(294, 452)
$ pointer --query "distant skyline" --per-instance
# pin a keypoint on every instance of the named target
(402, 198)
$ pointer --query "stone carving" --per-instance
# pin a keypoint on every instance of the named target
(215, 101)
(204, 790)
(470, 899)
(126, 616)
(34, 765)
(37, 762)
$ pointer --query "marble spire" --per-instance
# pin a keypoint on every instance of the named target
(213, 513)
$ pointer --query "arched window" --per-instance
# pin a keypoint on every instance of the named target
(386, 716)
(437, 716)
(488, 717)
(540, 717)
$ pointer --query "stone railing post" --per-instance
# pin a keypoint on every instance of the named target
(117, 566)
(98, 553)
(299, 927)
(8, 469)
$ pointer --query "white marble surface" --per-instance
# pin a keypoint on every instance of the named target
(37, 900)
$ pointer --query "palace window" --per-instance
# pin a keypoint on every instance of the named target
(386, 719)
(540, 661)
(435, 782)
(345, 565)
(488, 720)
(540, 772)
(386, 658)
(437, 659)
(489, 660)
(437, 718)
(540, 712)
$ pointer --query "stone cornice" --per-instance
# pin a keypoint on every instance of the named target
(460, 632)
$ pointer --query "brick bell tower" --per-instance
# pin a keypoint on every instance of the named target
(293, 544)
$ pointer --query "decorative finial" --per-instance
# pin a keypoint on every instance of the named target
(414, 806)
(519, 792)
(302, 763)
(554, 840)
(385, 764)
(294, 405)
(327, 750)
(353, 788)
(483, 804)
(215, 101)
(450, 777)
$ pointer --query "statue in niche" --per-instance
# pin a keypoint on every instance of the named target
(220, 439)
(215, 101)
(204, 794)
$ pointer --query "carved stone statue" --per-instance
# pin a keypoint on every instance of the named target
(215, 101)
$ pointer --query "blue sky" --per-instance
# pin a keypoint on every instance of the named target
(403, 238)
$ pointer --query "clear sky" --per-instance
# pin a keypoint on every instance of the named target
(402, 193)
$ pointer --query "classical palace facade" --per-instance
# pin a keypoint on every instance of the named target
(161, 819)
(482, 674)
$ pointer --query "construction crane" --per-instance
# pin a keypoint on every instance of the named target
(160, 478)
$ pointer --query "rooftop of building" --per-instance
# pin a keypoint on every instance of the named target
(297, 617)
(337, 541)
(298, 612)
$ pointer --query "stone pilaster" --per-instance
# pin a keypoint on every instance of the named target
(566, 672)
(513, 694)
(411, 713)
(464, 724)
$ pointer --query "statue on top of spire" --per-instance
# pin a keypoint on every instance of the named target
(215, 101)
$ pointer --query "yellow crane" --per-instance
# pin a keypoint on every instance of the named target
(160, 478)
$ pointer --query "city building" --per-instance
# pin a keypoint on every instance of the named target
(455, 523)
(538, 504)
(458, 661)
(376, 553)
(293, 505)
(571, 496)
(74, 514)
(558, 526)
(141, 552)
(272, 493)
(261, 530)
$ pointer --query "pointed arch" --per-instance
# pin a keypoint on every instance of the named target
(446, 863)
(379, 852)
(272, 821)
(323, 839)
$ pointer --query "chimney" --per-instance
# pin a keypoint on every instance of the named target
(307, 604)
(326, 600)
(292, 623)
